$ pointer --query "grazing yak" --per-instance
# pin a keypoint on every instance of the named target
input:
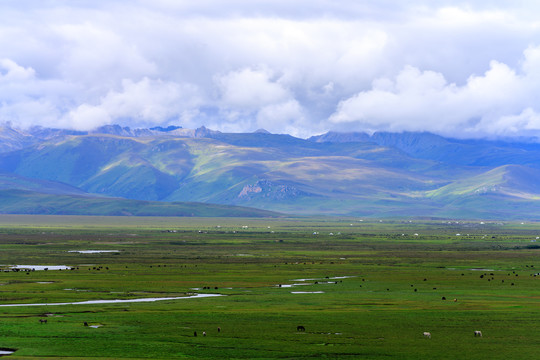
(300, 328)
(477, 333)
(427, 335)
(42, 321)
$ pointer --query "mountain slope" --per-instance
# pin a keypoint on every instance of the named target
(30, 202)
(383, 174)
(460, 152)
(103, 164)
(509, 180)
(423, 145)
(189, 169)
(15, 182)
(12, 139)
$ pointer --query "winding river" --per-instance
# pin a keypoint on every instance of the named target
(116, 301)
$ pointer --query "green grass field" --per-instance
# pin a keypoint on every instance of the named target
(361, 289)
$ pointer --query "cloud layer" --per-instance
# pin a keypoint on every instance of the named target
(498, 102)
(466, 69)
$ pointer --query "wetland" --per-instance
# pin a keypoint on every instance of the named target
(370, 290)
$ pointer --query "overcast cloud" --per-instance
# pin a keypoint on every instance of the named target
(304, 67)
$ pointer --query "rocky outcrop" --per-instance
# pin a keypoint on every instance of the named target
(269, 190)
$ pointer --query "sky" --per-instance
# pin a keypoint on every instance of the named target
(465, 69)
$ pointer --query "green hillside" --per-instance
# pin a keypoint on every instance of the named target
(16, 182)
(208, 170)
(28, 202)
(509, 180)
(385, 174)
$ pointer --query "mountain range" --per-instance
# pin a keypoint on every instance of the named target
(116, 170)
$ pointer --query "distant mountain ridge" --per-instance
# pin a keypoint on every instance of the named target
(357, 174)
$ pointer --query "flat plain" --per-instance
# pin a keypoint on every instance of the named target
(289, 288)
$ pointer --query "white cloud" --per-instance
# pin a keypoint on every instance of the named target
(11, 71)
(300, 67)
(87, 117)
(286, 117)
(26, 100)
(499, 102)
(97, 52)
(526, 123)
(465, 16)
(250, 89)
(145, 103)
(258, 99)
(27, 112)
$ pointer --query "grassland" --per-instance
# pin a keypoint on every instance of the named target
(362, 289)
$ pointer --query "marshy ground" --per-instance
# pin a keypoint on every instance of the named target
(359, 289)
